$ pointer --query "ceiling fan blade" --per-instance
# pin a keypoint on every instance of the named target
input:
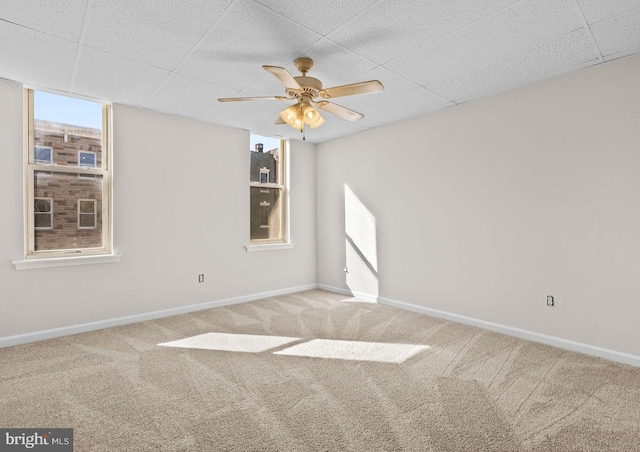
(279, 121)
(240, 99)
(283, 75)
(372, 86)
(339, 110)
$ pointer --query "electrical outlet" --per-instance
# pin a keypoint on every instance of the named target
(550, 301)
(201, 278)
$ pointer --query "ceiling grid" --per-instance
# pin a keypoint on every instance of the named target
(180, 56)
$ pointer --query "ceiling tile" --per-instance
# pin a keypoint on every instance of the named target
(597, 10)
(391, 29)
(156, 32)
(250, 35)
(511, 30)
(333, 128)
(61, 18)
(116, 79)
(378, 110)
(619, 36)
(393, 83)
(185, 96)
(321, 16)
(35, 58)
(560, 55)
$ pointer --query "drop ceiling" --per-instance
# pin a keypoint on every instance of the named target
(179, 56)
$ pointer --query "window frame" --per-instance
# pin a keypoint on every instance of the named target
(282, 170)
(95, 213)
(40, 228)
(31, 167)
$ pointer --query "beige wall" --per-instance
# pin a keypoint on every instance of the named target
(485, 208)
(181, 208)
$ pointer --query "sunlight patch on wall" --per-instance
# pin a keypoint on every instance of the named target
(361, 252)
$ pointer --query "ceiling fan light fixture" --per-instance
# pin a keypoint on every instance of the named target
(292, 116)
(297, 116)
(312, 117)
(318, 122)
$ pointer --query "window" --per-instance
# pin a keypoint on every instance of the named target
(267, 190)
(264, 175)
(68, 166)
(86, 160)
(42, 154)
(87, 215)
(265, 209)
(43, 213)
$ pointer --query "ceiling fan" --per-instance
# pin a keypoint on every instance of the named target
(305, 90)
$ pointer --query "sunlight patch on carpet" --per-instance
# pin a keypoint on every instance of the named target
(246, 343)
(312, 348)
(357, 300)
(354, 350)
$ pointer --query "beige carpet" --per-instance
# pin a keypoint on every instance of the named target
(316, 371)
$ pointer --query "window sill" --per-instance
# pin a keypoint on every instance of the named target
(31, 264)
(268, 247)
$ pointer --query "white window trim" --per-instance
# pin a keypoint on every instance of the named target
(285, 244)
(95, 213)
(62, 258)
(33, 264)
(269, 246)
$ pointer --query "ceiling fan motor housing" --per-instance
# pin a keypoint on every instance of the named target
(310, 87)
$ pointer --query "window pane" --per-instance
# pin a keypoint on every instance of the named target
(265, 157)
(68, 125)
(265, 213)
(42, 155)
(43, 213)
(87, 206)
(87, 159)
(65, 189)
(87, 213)
(87, 221)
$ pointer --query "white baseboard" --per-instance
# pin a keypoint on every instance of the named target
(19, 339)
(349, 293)
(566, 344)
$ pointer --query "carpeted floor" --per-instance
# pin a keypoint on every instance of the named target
(316, 371)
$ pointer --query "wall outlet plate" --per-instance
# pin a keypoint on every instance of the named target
(550, 301)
